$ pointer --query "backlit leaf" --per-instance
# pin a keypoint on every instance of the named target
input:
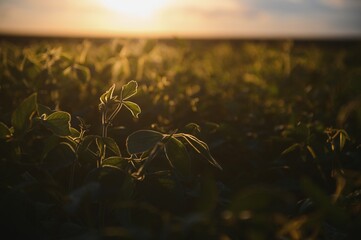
(58, 123)
(82, 72)
(44, 110)
(201, 148)
(86, 142)
(4, 131)
(192, 128)
(178, 156)
(21, 116)
(311, 151)
(133, 108)
(105, 97)
(291, 148)
(74, 132)
(116, 161)
(129, 90)
(112, 145)
(343, 137)
(143, 140)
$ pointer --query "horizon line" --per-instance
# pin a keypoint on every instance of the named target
(15, 34)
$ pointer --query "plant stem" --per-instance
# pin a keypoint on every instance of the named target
(106, 121)
(116, 110)
(73, 167)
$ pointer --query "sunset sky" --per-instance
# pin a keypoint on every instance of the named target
(183, 18)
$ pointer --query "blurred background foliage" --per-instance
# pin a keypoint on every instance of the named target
(269, 110)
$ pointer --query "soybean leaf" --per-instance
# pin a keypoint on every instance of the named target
(20, 118)
(192, 128)
(201, 148)
(82, 72)
(343, 137)
(74, 132)
(105, 97)
(142, 141)
(178, 157)
(58, 123)
(133, 108)
(100, 145)
(44, 110)
(112, 145)
(116, 161)
(129, 90)
(311, 151)
(4, 131)
(73, 140)
(87, 141)
(291, 148)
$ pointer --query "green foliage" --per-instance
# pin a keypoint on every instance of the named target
(21, 117)
(106, 97)
(200, 147)
(129, 90)
(133, 108)
(178, 157)
(118, 162)
(282, 118)
(58, 123)
(143, 140)
(5, 132)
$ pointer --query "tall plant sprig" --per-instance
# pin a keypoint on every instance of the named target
(110, 105)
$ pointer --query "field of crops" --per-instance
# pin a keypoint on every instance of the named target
(180, 139)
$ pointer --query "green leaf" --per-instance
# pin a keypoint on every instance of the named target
(342, 141)
(21, 116)
(100, 145)
(87, 141)
(44, 110)
(115, 161)
(129, 90)
(105, 97)
(291, 148)
(58, 123)
(192, 128)
(142, 141)
(311, 151)
(74, 132)
(133, 108)
(201, 148)
(178, 157)
(343, 137)
(112, 145)
(82, 72)
(4, 131)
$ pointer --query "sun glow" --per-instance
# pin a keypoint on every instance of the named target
(134, 8)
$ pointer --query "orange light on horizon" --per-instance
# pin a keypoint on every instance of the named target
(181, 18)
(134, 8)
